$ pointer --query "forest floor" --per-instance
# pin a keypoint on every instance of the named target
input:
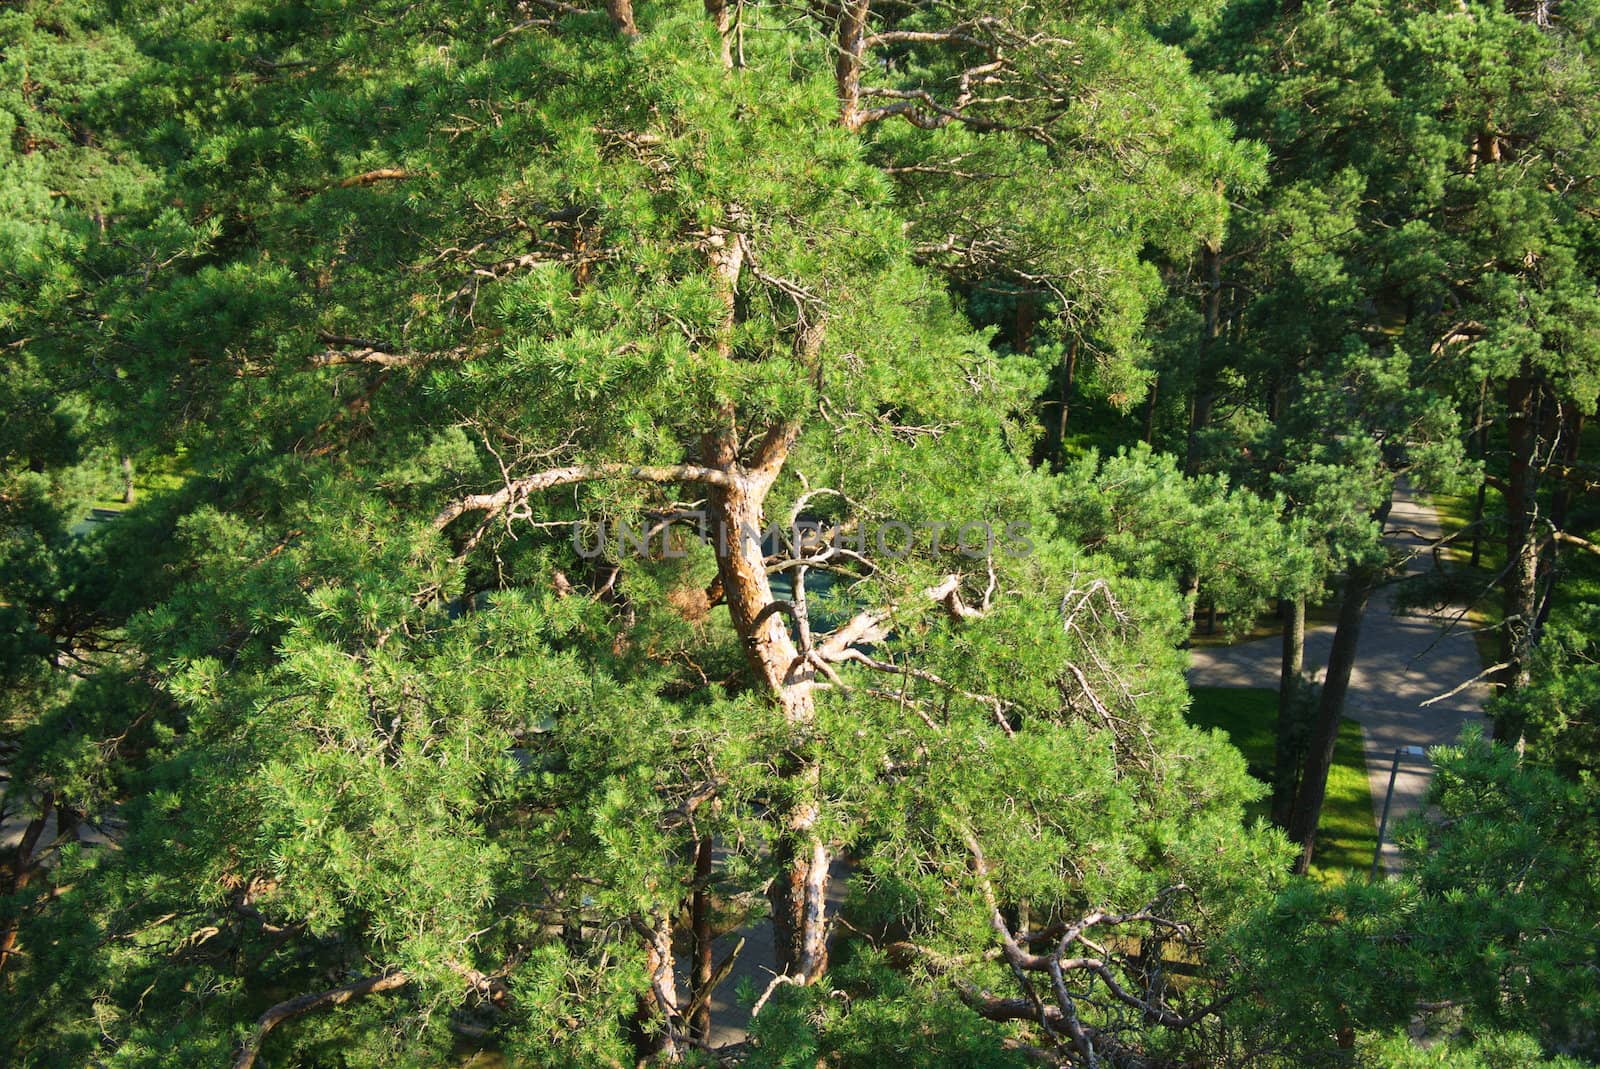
(1408, 654)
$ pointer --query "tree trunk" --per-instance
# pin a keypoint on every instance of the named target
(1522, 545)
(15, 876)
(1150, 411)
(1189, 588)
(849, 46)
(127, 481)
(1483, 484)
(1569, 428)
(1069, 372)
(1205, 394)
(1286, 763)
(700, 920)
(1361, 581)
(662, 1001)
(799, 893)
(723, 20)
(621, 12)
(1571, 431)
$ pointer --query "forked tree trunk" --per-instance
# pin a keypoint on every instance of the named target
(798, 895)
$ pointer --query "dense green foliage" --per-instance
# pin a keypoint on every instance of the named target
(615, 502)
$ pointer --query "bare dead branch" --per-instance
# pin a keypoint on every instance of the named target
(519, 489)
(1453, 691)
(295, 1007)
(383, 174)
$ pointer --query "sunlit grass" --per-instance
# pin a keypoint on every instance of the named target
(1347, 836)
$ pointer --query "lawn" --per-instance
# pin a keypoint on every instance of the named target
(1484, 614)
(1347, 836)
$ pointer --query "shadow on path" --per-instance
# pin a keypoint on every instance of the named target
(1401, 662)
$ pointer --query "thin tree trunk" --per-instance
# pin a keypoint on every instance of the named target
(1026, 319)
(799, 892)
(700, 910)
(1483, 484)
(1570, 428)
(1150, 411)
(127, 481)
(1313, 788)
(1286, 757)
(662, 1002)
(1069, 372)
(1204, 398)
(1522, 546)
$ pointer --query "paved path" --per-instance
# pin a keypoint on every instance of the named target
(1401, 661)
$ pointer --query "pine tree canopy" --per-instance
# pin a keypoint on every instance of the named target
(596, 513)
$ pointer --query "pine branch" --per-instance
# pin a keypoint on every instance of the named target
(519, 489)
(304, 1004)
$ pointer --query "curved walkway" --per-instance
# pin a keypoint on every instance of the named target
(1402, 660)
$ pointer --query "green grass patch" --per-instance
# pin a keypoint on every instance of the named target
(151, 477)
(1347, 836)
(1455, 514)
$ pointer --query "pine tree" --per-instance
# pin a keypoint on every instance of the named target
(599, 519)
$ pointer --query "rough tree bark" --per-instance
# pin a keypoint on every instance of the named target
(798, 894)
(723, 20)
(850, 45)
(621, 12)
